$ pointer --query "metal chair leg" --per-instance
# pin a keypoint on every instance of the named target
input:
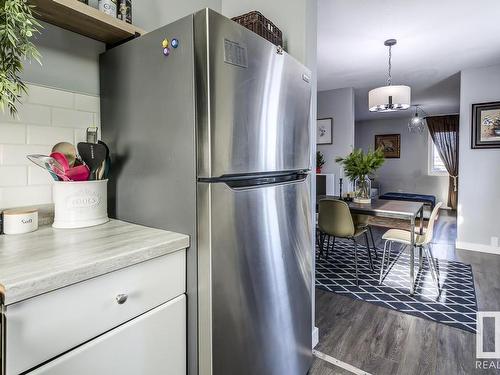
(318, 242)
(435, 272)
(433, 267)
(433, 260)
(369, 254)
(389, 254)
(333, 244)
(327, 246)
(356, 260)
(382, 264)
(373, 241)
(322, 244)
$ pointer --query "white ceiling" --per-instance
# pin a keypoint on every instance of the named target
(436, 40)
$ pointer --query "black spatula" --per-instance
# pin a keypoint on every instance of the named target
(93, 154)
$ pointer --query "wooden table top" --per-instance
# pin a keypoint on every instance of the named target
(385, 208)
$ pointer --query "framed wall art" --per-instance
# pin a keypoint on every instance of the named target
(390, 144)
(324, 130)
(485, 127)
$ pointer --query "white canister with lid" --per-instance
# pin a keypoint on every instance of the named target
(18, 221)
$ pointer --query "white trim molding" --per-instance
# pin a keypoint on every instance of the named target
(477, 247)
(315, 337)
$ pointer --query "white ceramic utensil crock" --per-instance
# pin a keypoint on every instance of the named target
(80, 204)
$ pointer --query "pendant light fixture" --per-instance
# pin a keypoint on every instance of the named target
(417, 123)
(389, 98)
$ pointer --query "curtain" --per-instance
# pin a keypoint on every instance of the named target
(444, 133)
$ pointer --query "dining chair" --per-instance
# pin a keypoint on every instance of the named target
(335, 221)
(422, 241)
(364, 221)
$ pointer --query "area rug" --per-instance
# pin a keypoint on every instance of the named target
(455, 305)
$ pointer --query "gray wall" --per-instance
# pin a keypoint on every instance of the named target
(70, 61)
(479, 170)
(410, 172)
(152, 14)
(295, 19)
(339, 105)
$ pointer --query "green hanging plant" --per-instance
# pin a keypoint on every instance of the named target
(17, 27)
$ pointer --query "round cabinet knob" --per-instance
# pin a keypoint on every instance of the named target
(121, 298)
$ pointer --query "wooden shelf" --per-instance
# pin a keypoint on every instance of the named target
(85, 20)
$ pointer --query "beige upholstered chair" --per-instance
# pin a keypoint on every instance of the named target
(422, 241)
(364, 221)
(335, 220)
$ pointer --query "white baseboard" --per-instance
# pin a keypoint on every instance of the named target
(315, 337)
(477, 247)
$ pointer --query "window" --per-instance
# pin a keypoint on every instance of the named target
(436, 165)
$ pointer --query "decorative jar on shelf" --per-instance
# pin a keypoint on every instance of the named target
(362, 189)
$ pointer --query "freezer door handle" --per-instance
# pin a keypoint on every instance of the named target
(257, 180)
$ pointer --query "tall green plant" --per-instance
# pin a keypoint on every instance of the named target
(17, 27)
(359, 165)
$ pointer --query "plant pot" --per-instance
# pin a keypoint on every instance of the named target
(318, 170)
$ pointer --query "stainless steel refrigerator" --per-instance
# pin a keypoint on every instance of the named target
(211, 137)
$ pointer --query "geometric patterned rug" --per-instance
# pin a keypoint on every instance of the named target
(455, 306)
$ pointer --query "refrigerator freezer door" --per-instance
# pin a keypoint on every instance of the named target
(255, 275)
(253, 102)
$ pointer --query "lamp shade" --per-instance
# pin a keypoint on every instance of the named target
(389, 98)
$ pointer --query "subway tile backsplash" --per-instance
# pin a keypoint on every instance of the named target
(47, 116)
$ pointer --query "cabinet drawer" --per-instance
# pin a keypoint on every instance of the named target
(152, 344)
(43, 327)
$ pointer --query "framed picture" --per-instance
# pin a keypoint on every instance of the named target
(390, 144)
(485, 125)
(324, 130)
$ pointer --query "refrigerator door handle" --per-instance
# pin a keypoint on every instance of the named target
(257, 180)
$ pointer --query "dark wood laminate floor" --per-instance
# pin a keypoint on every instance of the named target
(383, 341)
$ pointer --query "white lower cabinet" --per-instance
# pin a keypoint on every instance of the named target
(153, 343)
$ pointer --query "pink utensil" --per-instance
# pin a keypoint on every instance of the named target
(61, 159)
(78, 173)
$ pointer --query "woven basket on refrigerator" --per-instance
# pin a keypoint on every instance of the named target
(260, 25)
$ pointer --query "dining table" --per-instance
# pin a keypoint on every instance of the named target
(404, 210)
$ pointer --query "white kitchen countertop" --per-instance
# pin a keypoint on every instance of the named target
(48, 259)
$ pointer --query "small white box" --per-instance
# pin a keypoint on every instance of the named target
(79, 204)
(18, 221)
